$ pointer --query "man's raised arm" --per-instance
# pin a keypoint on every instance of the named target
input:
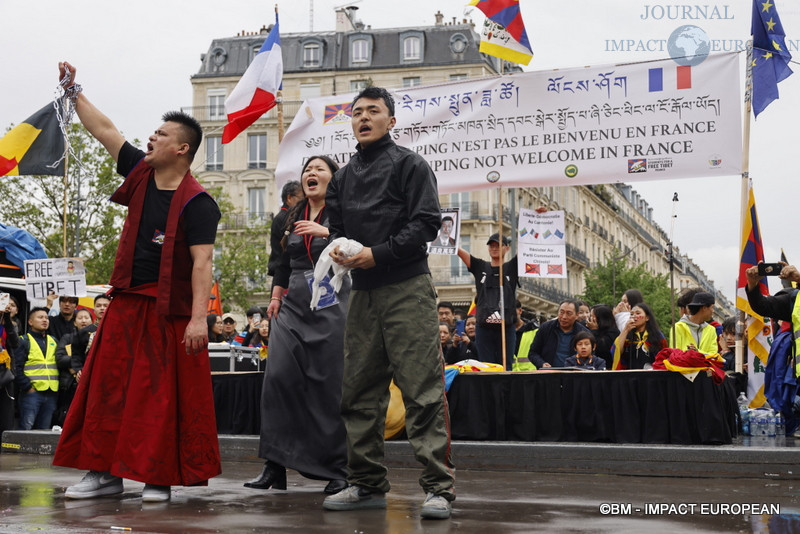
(92, 118)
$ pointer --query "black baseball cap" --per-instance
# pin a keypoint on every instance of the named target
(495, 238)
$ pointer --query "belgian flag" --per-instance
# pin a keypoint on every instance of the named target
(31, 147)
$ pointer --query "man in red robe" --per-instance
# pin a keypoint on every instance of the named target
(144, 409)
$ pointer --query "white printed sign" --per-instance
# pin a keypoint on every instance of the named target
(66, 277)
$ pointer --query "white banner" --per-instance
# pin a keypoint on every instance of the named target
(447, 240)
(546, 228)
(542, 261)
(66, 277)
(653, 120)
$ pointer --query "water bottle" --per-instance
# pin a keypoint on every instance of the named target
(780, 425)
(771, 423)
(744, 414)
(744, 417)
(758, 425)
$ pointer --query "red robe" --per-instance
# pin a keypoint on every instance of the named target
(144, 409)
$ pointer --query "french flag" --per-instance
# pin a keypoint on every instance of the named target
(682, 78)
(255, 93)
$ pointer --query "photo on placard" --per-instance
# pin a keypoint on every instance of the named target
(446, 241)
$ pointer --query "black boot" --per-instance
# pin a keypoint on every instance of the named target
(272, 476)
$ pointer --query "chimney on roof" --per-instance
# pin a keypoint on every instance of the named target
(346, 19)
(439, 18)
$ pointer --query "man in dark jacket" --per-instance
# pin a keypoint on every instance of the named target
(386, 199)
(291, 194)
(553, 342)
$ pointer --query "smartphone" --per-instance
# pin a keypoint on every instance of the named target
(256, 319)
(460, 327)
(5, 299)
(769, 269)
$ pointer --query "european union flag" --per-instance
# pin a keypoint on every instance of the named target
(770, 56)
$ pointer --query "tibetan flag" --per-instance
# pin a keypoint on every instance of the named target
(33, 146)
(255, 93)
(504, 34)
(681, 78)
(770, 56)
(757, 332)
(471, 310)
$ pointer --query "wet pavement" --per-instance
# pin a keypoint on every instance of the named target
(489, 501)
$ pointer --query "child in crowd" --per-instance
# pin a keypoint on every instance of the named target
(584, 345)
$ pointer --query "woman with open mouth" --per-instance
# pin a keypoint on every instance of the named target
(301, 425)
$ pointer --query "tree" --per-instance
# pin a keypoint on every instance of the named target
(36, 204)
(599, 282)
(240, 265)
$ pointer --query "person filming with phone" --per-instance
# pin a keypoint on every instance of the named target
(784, 305)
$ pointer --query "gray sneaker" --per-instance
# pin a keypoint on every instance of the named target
(95, 484)
(355, 498)
(436, 507)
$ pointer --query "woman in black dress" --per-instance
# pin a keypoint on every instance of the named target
(301, 426)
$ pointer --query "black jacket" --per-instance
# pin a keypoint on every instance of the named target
(778, 307)
(386, 198)
(546, 342)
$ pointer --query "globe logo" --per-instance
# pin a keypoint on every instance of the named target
(688, 45)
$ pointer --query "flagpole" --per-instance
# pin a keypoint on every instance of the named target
(502, 259)
(279, 99)
(748, 104)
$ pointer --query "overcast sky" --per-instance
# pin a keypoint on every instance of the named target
(135, 60)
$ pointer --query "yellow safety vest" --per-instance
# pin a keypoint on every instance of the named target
(521, 360)
(684, 338)
(41, 369)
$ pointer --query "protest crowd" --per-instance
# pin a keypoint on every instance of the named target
(352, 310)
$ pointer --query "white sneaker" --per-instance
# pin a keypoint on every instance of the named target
(95, 484)
(156, 493)
(436, 507)
(354, 498)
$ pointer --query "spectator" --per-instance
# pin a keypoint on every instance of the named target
(622, 311)
(214, 323)
(303, 376)
(553, 342)
(13, 312)
(228, 328)
(522, 326)
(583, 344)
(685, 298)
(445, 336)
(463, 347)
(85, 336)
(291, 194)
(261, 336)
(9, 341)
(36, 373)
(583, 312)
(640, 340)
(64, 322)
(488, 333)
(446, 313)
(254, 315)
(386, 199)
(604, 328)
(727, 343)
(66, 372)
(693, 331)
